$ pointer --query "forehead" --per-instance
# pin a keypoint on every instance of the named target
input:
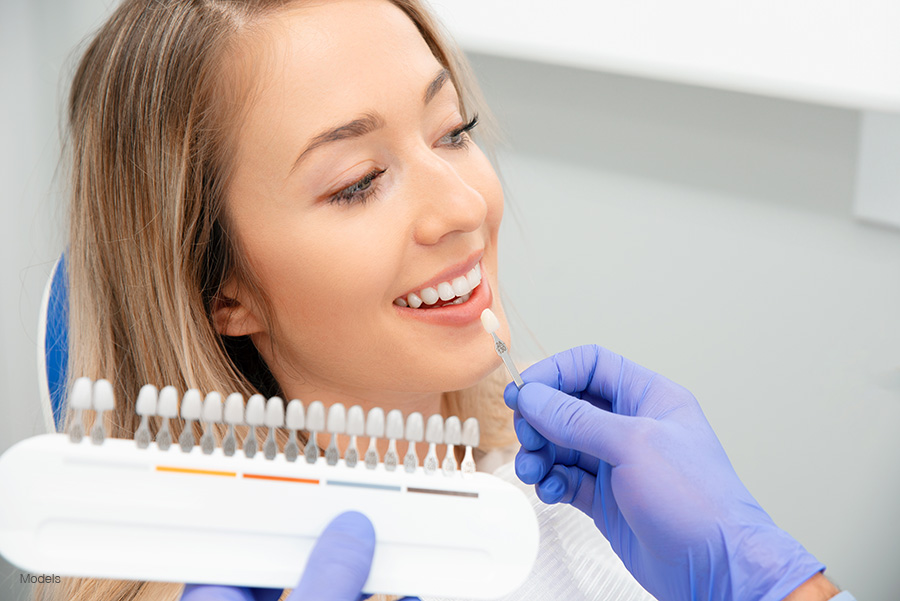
(329, 61)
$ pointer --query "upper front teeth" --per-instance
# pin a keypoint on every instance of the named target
(445, 291)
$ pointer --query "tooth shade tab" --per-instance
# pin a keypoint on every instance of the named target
(274, 412)
(415, 427)
(315, 417)
(234, 408)
(104, 399)
(434, 430)
(256, 410)
(294, 417)
(167, 406)
(82, 393)
(212, 407)
(471, 435)
(146, 400)
(337, 419)
(452, 431)
(375, 423)
(489, 321)
(394, 426)
(356, 421)
(191, 404)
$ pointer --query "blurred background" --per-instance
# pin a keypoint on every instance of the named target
(709, 187)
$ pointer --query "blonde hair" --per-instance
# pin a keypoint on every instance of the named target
(149, 148)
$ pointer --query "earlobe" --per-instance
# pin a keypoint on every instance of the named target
(233, 318)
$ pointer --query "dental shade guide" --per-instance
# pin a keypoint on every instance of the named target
(315, 423)
(79, 400)
(166, 408)
(254, 416)
(356, 426)
(103, 401)
(374, 430)
(337, 424)
(211, 413)
(393, 429)
(415, 432)
(145, 406)
(191, 405)
(294, 419)
(491, 325)
(274, 420)
(81, 509)
(233, 416)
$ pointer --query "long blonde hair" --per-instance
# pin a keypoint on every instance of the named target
(151, 115)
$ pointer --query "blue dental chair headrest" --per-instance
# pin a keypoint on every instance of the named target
(53, 346)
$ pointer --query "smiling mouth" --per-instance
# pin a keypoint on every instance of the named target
(451, 292)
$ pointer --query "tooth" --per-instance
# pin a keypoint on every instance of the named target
(445, 290)
(473, 278)
(461, 286)
(400, 302)
(478, 270)
(414, 301)
(429, 296)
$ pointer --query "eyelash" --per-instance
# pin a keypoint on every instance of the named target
(362, 190)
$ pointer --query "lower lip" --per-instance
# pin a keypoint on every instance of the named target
(455, 315)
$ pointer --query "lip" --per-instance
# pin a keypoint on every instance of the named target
(456, 315)
(450, 274)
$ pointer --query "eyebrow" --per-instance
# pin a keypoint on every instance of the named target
(367, 123)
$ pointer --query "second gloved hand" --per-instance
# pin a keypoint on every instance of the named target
(634, 451)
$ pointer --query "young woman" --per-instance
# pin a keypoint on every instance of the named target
(273, 197)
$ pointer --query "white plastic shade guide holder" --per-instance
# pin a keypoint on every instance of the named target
(415, 432)
(166, 408)
(145, 406)
(315, 422)
(294, 419)
(356, 426)
(274, 419)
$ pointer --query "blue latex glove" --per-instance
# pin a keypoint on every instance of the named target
(336, 571)
(633, 450)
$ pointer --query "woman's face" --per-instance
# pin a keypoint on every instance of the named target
(356, 187)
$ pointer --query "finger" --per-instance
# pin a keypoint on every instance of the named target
(340, 561)
(209, 592)
(511, 395)
(568, 484)
(528, 437)
(574, 423)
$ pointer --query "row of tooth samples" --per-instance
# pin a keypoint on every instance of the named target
(272, 414)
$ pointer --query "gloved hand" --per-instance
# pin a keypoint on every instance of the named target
(633, 450)
(336, 571)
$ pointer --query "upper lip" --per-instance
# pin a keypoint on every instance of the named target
(451, 273)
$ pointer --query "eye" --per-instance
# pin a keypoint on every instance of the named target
(359, 192)
(458, 138)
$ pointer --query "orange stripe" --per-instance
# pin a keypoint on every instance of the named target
(281, 478)
(184, 470)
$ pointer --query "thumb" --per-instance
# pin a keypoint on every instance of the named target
(575, 423)
(339, 564)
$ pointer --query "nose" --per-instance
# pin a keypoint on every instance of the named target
(446, 203)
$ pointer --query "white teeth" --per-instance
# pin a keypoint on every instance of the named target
(430, 296)
(445, 291)
(461, 286)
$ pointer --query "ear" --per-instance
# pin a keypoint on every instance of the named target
(234, 317)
